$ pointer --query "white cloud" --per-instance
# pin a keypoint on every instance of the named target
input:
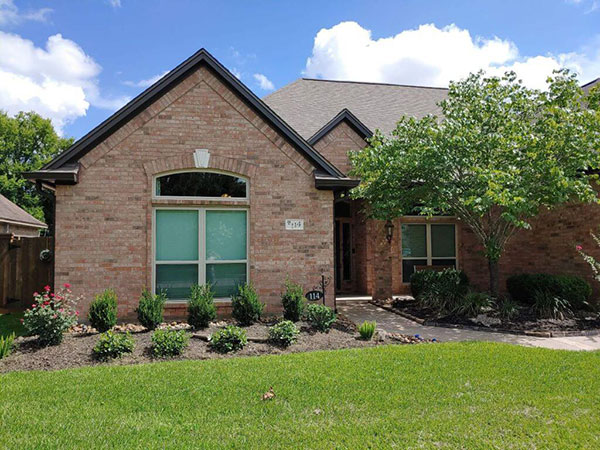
(590, 5)
(236, 73)
(432, 56)
(115, 3)
(147, 82)
(10, 15)
(264, 83)
(58, 81)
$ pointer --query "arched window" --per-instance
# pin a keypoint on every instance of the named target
(201, 185)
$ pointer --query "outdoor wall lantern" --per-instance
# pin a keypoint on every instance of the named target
(389, 231)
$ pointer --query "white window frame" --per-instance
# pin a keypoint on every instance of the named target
(202, 261)
(430, 258)
(186, 197)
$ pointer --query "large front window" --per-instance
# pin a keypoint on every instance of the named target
(200, 245)
(427, 245)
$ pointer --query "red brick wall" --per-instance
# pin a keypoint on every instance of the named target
(104, 223)
(336, 144)
(548, 247)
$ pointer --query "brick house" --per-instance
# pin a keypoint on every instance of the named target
(198, 180)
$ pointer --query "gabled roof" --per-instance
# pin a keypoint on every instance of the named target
(11, 213)
(343, 116)
(72, 155)
(588, 86)
(307, 104)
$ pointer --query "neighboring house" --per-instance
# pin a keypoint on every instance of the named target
(198, 180)
(18, 222)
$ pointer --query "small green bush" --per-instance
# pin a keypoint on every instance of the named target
(228, 339)
(168, 343)
(201, 306)
(293, 301)
(507, 308)
(420, 280)
(574, 289)
(367, 330)
(320, 317)
(440, 291)
(113, 345)
(246, 307)
(6, 345)
(150, 309)
(547, 305)
(472, 304)
(284, 334)
(103, 311)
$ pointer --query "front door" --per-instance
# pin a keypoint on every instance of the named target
(344, 279)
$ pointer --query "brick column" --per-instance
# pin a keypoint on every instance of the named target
(382, 260)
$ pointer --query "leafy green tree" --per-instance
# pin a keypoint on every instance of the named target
(27, 142)
(500, 153)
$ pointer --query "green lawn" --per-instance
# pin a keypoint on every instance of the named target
(11, 323)
(471, 395)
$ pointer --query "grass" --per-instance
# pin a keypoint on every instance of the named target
(11, 323)
(468, 395)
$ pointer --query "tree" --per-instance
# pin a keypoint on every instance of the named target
(500, 153)
(27, 142)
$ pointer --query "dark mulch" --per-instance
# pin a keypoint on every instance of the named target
(524, 321)
(76, 349)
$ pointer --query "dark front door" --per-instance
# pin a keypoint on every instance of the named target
(344, 279)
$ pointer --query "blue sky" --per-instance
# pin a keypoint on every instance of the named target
(78, 61)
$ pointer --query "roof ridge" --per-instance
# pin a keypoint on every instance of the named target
(370, 83)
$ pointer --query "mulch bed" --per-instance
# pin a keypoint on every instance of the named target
(583, 323)
(76, 348)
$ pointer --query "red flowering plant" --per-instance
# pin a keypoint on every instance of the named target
(595, 265)
(51, 315)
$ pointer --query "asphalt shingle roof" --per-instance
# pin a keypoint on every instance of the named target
(11, 212)
(308, 104)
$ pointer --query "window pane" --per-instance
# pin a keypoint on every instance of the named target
(414, 240)
(225, 235)
(225, 278)
(200, 184)
(176, 279)
(176, 235)
(443, 241)
(444, 262)
(408, 268)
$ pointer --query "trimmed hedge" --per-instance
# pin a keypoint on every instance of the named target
(574, 289)
(440, 291)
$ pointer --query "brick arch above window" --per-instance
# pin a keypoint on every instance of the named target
(186, 162)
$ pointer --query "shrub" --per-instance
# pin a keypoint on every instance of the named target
(575, 290)
(50, 315)
(228, 339)
(246, 307)
(284, 334)
(549, 306)
(6, 345)
(367, 330)
(507, 308)
(293, 301)
(440, 291)
(320, 317)
(201, 306)
(423, 278)
(103, 311)
(150, 309)
(168, 343)
(472, 304)
(113, 345)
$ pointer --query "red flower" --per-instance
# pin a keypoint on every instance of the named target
(578, 248)
(47, 288)
(67, 285)
(36, 294)
(34, 305)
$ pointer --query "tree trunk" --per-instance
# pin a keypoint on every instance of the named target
(493, 266)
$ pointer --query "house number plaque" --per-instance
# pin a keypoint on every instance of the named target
(294, 224)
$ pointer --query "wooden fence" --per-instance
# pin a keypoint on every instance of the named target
(22, 272)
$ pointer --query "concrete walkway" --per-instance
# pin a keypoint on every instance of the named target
(393, 323)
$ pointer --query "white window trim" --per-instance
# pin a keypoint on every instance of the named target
(201, 262)
(185, 197)
(429, 257)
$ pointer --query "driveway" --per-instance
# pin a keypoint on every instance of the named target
(393, 323)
